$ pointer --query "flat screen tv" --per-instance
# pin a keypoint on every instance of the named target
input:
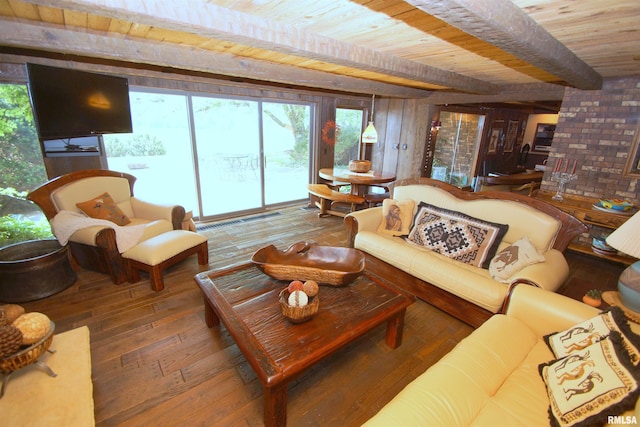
(71, 103)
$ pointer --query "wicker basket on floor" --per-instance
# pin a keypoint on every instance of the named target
(28, 355)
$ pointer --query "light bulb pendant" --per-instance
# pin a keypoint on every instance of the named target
(370, 134)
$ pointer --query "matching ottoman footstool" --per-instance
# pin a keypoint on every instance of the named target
(160, 252)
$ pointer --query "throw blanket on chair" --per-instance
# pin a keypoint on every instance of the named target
(65, 223)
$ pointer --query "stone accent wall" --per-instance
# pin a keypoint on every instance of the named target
(597, 128)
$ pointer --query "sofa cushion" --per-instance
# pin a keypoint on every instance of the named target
(104, 207)
(456, 235)
(392, 250)
(463, 280)
(587, 387)
(584, 334)
(512, 259)
(397, 217)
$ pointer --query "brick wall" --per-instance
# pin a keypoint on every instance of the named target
(597, 128)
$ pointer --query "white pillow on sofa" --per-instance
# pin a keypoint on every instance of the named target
(514, 258)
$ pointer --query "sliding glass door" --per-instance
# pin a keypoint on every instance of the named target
(286, 139)
(215, 156)
(227, 135)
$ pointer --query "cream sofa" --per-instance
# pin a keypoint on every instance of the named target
(96, 247)
(491, 377)
(467, 292)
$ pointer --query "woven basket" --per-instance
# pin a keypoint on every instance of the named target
(360, 166)
(298, 314)
(28, 355)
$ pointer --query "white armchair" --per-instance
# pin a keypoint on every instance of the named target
(96, 247)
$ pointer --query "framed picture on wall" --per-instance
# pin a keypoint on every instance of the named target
(494, 140)
(512, 134)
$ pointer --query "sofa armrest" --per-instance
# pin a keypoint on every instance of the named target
(544, 311)
(153, 211)
(550, 274)
(364, 220)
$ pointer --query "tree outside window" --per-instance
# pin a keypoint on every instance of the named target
(22, 168)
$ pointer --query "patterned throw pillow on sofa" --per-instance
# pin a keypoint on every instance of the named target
(104, 207)
(513, 258)
(592, 384)
(580, 336)
(456, 235)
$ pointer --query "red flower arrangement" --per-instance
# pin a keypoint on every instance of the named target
(330, 132)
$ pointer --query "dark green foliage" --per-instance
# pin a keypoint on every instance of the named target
(20, 155)
(14, 229)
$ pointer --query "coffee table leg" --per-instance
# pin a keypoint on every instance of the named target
(210, 316)
(275, 406)
(395, 326)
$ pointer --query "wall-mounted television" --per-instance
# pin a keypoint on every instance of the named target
(71, 103)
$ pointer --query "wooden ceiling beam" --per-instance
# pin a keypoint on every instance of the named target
(116, 47)
(211, 21)
(503, 24)
(508, 93)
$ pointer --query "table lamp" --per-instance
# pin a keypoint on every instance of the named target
(627, 239)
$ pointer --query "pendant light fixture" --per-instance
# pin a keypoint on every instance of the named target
(370, 134)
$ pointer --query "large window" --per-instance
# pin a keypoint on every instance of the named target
(215, 156)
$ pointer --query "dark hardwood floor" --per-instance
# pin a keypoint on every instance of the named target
(155, 362)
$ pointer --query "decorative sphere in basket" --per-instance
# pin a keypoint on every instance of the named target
(298, 313)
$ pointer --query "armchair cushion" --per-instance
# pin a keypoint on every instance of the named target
(78, 228)
(104, 207)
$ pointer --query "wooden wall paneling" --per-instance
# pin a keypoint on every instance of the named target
(412, 137)
(325, 151)
(393, 129)
(377, 155)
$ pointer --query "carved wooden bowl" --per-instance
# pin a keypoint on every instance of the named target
(327, 265)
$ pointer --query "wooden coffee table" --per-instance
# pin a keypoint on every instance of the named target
(246, 301)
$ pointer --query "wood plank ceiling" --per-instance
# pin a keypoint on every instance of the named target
(449, 51)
